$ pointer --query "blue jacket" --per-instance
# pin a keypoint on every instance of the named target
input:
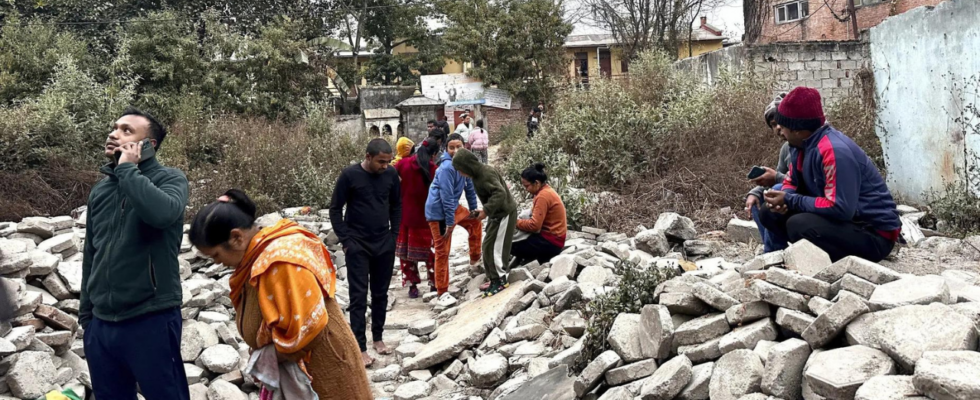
(831, 176)
(444, 193)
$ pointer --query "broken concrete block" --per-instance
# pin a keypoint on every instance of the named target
(743, 231)
(487, 371)
(806, 258)
(834, 272)
(700, 385)
(869, 271)
(891, 387)
(699, 353)
(526, 332)
(617, 393)
(747, 312)
(784, 369)
(631, 372)
(778, 296)
(746, 337)
(905, 333)
(912, 290)
(593, 373)
(948, 375)
(857, 285)
(819, 305)
(684, 303)
(668, 381)
(59, 244)
(796, 282)
(736, 374)
(653, 242)
(676, 226)
(56, 318)
(566, 300)
(829, 324)
(629, 340)
(31, 375)
(562, 266)
(713, 297)
(701, 329)
(838, 373)
(793, 321)
(14, 263)
(40, 226)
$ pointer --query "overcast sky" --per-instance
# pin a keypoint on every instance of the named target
(727, 18)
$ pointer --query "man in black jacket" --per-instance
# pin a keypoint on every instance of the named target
(371, 193)
(131, 294)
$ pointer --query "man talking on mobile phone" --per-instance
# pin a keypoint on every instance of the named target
(131, 294)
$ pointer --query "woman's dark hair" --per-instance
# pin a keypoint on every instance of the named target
(455, 136)
(535, 173)
(213, 224)
(438, 134)
(479, 123)
(424, 155)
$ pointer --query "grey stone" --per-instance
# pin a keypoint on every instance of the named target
(793, 321)
(830, 324)
(27, 303)
(857, 286)
(675, 226)
(55, 318)
(743, 231)
(659, 326)
(14, 263)
(58, 244)
(700, 247)
(551, 385)
(631, 372)
(408, 350)
(806, 258)
(615, 250)
(797, 282)
(668, 381)
(909, 291)
(567, 357)
(736, 374)
(961, 290)
(593, 373)
(838, 373)
(746, 337)
(763, 348)
(747, 312)
(224, 390)
(40, 226)
(778, 296)
(707, 351)
(869, 271)
(562, 266)
(43, 263)
(784, 369)
(653, 242)
(684, 303)
(422, 327)
(617, 393)
(31, 375)
(701, 329)
(389, 373)
(700, 385)
(595, 275)
(557, 286)
(56, 287)
(906, 333)
(629, 340)
(819, 305)
(21, 337)
(470, 326)
(526, 332)
(414, 390)
(948, 375)
(55, 339)
(835, 271)
(71, 274)
(970, 310)
(714, 297)
(567, 299)
(488, 370)
(195, 337)
(220, 358)
(891, 387)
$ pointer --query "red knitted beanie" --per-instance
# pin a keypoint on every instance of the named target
(801, 110)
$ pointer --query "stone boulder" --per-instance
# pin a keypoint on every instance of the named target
(736, 374)
(488, 370)
(220, 359)
(699, 388)
(668, 381)
(892, 387)
(657, 323)
(743, 231)
(629, 340)
(838, 373)
(675, 226)
(948, 375)
(223, 390)
(31, 375)
(910, 291)
(653, 242)
(594, 372)
(783, 376)
(905, 333)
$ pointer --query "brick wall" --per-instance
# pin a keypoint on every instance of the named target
(497, 118)
(828, 66)
(824, 22)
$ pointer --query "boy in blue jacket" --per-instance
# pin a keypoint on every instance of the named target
(443, 212)
(833, 195)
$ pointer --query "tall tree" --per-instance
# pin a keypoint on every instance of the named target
(393, 23)
(517, 45)
(640, 25)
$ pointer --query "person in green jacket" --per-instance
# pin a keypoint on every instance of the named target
(131, 293)
(499, 208)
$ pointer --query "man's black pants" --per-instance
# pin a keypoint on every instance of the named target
(369, 266)
(838, 238)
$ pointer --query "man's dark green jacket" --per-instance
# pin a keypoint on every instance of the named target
(132, 239)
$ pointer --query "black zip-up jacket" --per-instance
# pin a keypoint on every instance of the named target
(134, 230)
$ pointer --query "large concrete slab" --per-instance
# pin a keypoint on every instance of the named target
(783, 376)
(948, 375)
(471, 325)
(905, 333)
(912, 290)
(735, 375)
(838, 373)
(892, 387)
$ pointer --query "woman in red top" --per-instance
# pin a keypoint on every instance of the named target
(414, 237)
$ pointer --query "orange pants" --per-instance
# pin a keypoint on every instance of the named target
(443, 245)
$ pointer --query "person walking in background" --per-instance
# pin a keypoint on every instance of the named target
(131, 293)
(415, 237)
(479, 141)
(500, 209)
(283, 289)
(773, 178)
(443, 212)
(533, 122)
(463, 129)
(547, 226)
(368, 231)
(403, 149)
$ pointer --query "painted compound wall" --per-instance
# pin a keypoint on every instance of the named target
(926, 66)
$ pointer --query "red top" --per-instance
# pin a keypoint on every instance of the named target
(414, 191)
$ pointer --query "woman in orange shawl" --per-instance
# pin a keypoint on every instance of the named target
(283, 291)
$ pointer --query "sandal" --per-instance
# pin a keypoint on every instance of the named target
(495, 287)
(413, 292)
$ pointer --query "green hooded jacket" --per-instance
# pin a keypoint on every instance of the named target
(489, 184)
(133, 234)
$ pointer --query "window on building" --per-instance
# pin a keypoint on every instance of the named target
(792, 11)
(582, 64)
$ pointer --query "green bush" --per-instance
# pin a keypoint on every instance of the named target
(29, 56)
(957, 208)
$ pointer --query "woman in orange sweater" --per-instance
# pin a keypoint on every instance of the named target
(547, 226)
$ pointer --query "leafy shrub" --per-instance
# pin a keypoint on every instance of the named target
(30, 55)
(957, 208)
(635, 290)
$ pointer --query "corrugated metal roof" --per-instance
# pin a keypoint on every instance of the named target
(381, 113)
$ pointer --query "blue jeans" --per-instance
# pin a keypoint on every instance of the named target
(770, 242)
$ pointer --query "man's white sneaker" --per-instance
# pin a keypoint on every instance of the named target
(446, 300)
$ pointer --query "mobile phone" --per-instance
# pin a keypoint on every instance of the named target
(146, 152)
(756, 172)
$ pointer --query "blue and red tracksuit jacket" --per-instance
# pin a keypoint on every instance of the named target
(832, 176)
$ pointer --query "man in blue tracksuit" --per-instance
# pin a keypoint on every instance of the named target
(833, 195)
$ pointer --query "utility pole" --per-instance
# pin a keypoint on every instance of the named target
(854, 18)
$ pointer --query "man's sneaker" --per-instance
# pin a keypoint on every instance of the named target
(485, 285)
(494, 288)
(446, 300)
